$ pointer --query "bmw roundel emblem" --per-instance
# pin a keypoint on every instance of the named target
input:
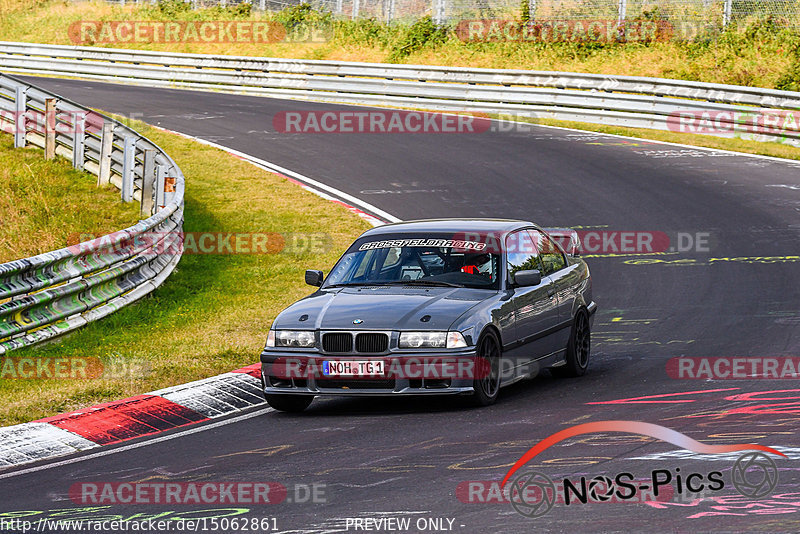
(357, 321)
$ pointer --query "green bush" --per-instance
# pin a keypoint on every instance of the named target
(241, 10)
(302, 14)
(368, 32)
(422, 33)
(172, 8)
(790, 81)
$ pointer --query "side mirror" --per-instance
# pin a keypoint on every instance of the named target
(528, 278)
(314, 278)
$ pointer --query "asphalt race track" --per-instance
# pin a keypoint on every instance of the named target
(405, 458)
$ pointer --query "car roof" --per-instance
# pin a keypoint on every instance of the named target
(449, 225)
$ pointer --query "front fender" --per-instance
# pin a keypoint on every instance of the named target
(496, 311)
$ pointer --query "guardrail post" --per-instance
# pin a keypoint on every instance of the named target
(129, 151)
(388, 5)
(531, 10)
(20, 119)
(355, 9)
(161, 174)
(438, 9)
(49, 128)
(148, 182)
(78, 139)
(338, 7)
(726, 13)
(106, 146)
(623, 8)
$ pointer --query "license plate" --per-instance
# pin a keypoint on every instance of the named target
(352, 367)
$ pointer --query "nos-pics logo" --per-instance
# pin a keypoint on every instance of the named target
(533, 493)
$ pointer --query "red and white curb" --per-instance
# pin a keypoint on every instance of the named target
(143, 415)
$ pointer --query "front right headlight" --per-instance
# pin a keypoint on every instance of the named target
(431, 340)
(290, 338)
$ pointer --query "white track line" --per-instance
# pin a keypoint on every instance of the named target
(153, 441)
(297, 176)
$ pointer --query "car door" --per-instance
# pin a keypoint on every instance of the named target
(535, 307)
(566, 281)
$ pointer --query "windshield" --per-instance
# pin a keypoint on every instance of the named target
(429, 260)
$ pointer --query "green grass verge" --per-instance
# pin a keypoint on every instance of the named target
(45, 204)
(212, 314)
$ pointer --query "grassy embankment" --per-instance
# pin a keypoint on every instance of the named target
(213, 312)
(757, 53)
(44, 203)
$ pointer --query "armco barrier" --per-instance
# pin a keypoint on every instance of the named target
(605, 99)
(55, 292)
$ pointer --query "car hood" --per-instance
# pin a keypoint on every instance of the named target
(380, 308)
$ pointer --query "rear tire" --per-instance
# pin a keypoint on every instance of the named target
(289, 403)
(578, 348)
(487, 387)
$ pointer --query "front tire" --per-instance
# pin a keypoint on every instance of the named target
(289, 403)
(578, 348)
(487, 383)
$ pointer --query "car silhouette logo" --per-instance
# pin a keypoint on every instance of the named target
(357, 321)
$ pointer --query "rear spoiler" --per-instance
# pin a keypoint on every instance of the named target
(567, 238)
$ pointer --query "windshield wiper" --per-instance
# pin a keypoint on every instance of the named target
(421, 283)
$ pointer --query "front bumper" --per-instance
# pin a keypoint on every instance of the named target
(297, 373)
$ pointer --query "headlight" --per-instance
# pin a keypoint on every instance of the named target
(431, 340)
(290, 338)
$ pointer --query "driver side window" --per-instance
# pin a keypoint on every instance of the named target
(522, 253)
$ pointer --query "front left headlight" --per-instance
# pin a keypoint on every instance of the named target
(431, 340)
(290, 338)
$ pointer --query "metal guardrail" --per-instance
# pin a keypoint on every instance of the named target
(631, 101)
(56, 292)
